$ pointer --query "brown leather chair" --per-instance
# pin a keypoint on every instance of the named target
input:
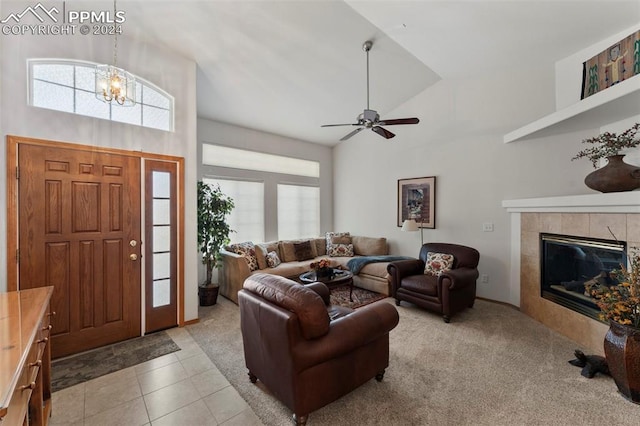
(300, 354)
(447, 294)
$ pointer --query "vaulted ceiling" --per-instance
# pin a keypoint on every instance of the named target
(286, 67)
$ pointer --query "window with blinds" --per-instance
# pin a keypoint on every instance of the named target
(298, 211)
(247, 217)
(289, 187)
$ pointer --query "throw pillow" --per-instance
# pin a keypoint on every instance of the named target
(370, 246)
(272, 259)
(261, 255)
(341, 239)
(261, 252)
(287, 250)
(248, 250)
(340, 250)
(330, 235)
(321, 246)
(303, 250)
(437, 263)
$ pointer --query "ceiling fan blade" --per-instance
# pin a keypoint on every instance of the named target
(351, 134)
(335, 125)
(369, 118)
(399, 121)
(383, 132)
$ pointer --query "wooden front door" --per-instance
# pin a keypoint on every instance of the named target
(79, 231)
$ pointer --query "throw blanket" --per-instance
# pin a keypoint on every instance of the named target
(357, 263)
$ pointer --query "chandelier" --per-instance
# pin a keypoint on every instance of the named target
(113, 83)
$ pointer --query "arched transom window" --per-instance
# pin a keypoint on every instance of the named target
(69, 86)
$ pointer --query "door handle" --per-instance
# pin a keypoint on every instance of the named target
(133, 256)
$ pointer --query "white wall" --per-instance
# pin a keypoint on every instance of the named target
(171, 72)
(459, 140)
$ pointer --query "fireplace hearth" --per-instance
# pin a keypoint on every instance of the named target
(568, 262)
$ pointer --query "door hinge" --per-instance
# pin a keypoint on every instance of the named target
(17, 173)
(18, 256)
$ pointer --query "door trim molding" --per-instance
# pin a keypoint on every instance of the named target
(13, 142)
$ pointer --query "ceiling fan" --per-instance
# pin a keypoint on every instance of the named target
(370, 119)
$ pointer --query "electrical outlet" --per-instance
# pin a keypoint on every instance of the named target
(484, 278)
(487, 227)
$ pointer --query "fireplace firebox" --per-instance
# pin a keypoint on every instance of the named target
(567, 262)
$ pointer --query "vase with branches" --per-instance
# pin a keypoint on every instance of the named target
(608, 144)
(616, 175)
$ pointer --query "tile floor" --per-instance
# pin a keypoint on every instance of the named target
(183, 388)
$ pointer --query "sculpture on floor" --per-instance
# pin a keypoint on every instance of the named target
(591, 364)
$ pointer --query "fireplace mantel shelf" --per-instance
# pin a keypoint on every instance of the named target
(613, 202)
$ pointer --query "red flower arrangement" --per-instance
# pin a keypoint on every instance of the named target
(321, 264)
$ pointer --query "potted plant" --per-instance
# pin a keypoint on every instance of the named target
(213, 234)
(620, 305)
(616, 175)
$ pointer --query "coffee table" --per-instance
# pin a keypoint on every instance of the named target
(338, 277)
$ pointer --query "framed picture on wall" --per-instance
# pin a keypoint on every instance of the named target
(417, 200)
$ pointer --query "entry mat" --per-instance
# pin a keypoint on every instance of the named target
(85, 366)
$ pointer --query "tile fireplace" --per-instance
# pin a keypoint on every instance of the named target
(593, 217)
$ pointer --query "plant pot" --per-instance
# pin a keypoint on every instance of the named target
(616, 176)
(622, 350)
(208, 294)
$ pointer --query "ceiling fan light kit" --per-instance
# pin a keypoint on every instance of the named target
(370, 119)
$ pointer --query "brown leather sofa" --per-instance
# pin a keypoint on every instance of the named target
(447, 294)
(306, 352)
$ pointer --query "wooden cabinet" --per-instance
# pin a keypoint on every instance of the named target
(25, 357)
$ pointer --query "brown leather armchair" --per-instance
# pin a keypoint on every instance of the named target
(447, 294)
(305, 358)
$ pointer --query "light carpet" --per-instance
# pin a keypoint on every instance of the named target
(492, 365)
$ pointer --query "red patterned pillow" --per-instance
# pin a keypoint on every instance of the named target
(437, 263)
(340, 250)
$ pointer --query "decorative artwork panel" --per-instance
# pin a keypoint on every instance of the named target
(612, 66)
